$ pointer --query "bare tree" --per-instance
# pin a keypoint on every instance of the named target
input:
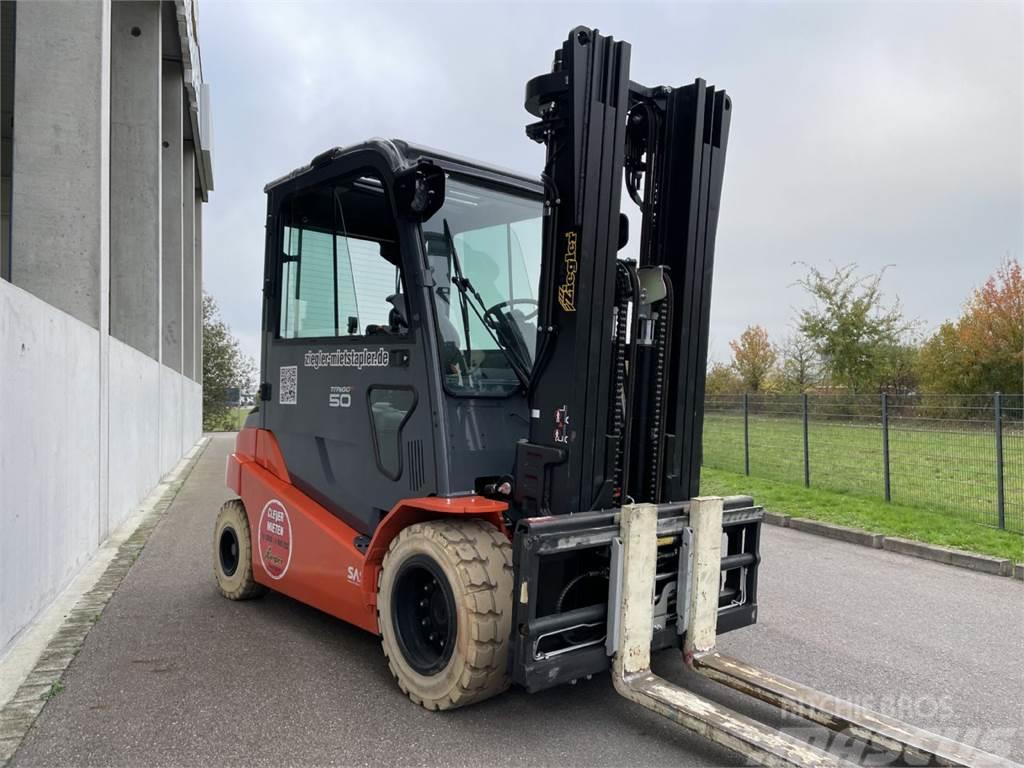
(801, 368)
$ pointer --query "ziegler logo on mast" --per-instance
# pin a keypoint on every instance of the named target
(567, 290)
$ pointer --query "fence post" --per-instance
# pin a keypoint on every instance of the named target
(746, 436)
(807, 455)
(885, 446)
(1000, 487)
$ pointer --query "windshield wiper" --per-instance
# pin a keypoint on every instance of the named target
(466, 294)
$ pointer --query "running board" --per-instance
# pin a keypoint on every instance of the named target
(633, 679)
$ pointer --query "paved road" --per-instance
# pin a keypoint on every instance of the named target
(174, 674)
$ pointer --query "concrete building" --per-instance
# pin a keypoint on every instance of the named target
(105, 165)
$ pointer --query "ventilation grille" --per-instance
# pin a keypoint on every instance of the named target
(415, 450)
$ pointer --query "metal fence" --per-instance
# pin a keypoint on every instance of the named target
(958, 454)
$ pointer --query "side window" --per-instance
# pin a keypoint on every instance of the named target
(389, 409)
(374, 281)
(340, 271)
(307, 292)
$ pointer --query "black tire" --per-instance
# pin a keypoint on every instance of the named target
(467, 566)
(232, 553)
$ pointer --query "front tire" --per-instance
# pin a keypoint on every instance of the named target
(232, 553)
(444, 610)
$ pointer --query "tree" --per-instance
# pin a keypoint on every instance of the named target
(944, 363)
(753, 357)
(983, 351)
(224, 367)
(799, 371)
(899, 372)
(852, 329)
(722, 380)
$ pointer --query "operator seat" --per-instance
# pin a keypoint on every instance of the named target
(398, 318)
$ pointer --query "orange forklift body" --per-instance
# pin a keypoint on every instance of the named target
(303, 551)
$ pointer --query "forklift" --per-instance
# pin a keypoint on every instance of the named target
(478, 433)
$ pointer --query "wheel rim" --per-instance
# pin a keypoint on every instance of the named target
(423, 614)
(228, 549)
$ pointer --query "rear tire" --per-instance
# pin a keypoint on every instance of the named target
(444, 610)
(232, 553)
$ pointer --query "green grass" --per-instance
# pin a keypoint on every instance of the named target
(239, 415)
(232, 423)
(867, 514)
(938, 470)
(55, 689)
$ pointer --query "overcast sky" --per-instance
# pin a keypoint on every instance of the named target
(880, 134)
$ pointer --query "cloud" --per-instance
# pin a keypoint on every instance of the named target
(869, 133)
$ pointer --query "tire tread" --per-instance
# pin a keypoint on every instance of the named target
(483, 560)
(248, 589)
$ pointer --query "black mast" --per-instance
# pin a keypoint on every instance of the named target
(617, 406)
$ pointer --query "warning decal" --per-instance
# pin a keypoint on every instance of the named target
(275, 539)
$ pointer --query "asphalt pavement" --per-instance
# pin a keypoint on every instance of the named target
(173, 674)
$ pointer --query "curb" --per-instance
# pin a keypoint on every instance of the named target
(44, 681)
(774, 518)
(852, 535)
(996, 566)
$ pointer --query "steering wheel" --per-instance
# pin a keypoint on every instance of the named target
(494, 310)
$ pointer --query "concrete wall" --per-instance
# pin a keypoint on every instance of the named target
(135, 133)
(171, 214)
(50, 458)
(49, 389)
(191, 412)
(198, 225)
(106, 242)
(188, 248)
(171, 412)
(134, 423)
(6, 126)
(55, 210)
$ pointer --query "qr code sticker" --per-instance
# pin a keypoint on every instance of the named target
(288, 393)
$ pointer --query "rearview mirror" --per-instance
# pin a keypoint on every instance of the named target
(419, 191)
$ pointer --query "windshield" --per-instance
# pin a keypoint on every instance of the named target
(484, 247)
